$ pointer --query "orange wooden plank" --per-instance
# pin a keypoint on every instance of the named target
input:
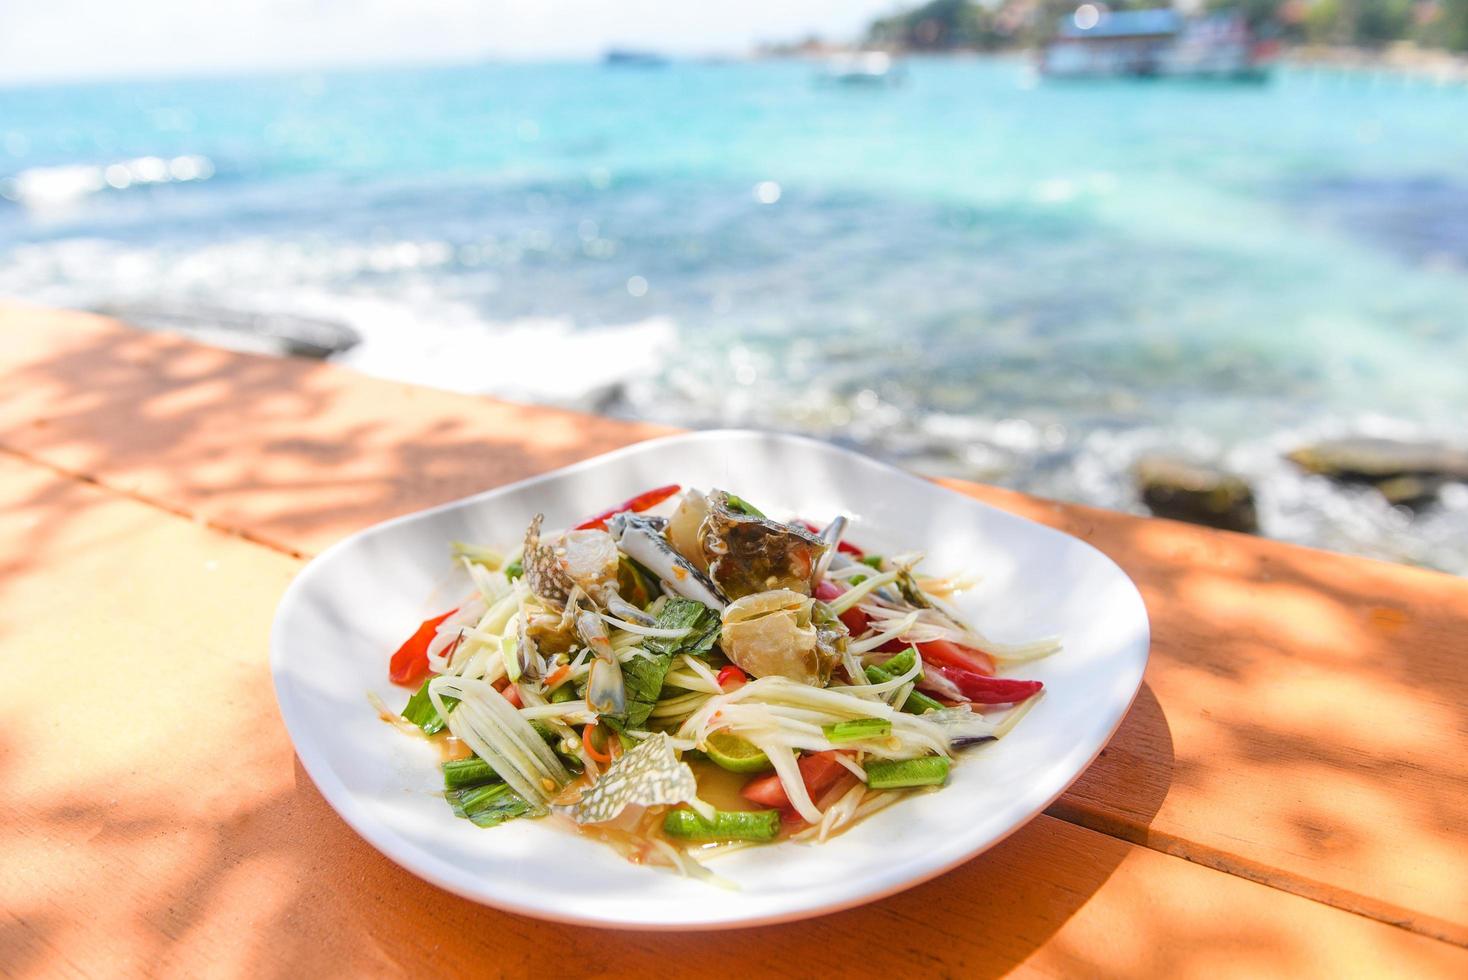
(1303, 720)
(293, 452)
(155, 822)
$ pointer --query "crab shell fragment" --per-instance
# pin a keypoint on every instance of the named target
(771, 633)
(749, 554)
(554, 568)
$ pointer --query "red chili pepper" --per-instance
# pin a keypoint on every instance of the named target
(953, 655)
(731, 675)
(856, 621)
(591, 750)
(820, 770)
(409, 665)
(638, 503)
(845, 546)
(988, 690)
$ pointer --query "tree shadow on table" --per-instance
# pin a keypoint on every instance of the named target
(292, 453)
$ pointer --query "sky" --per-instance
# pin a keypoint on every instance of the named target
(57, 40)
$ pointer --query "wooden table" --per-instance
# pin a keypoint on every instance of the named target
(1288, 794)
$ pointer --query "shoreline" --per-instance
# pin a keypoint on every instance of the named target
(1398, 58)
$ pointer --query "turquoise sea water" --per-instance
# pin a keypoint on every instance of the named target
(975, 272)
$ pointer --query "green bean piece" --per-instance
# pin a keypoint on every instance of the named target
(751, 825)
(857, 730)
(917, 702)
(465, 773)
(930, 770)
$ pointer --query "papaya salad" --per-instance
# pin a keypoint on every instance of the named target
(702, 681)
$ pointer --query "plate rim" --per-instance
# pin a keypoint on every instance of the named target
(342, 799)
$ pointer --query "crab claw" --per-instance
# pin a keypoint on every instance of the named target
(605, 691)
(606, 694)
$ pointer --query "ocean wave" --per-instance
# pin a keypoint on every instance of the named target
(44, 188)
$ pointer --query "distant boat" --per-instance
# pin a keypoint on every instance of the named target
(1094, 43)
(862, 68)
(629, 58)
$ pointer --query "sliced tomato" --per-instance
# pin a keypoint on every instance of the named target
(820, 771)
(988, 690)
(409, 665)
(856, 621)
(954, 655)
(731, 676)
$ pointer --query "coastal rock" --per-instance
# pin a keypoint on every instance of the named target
(1199, 494)
(1408, 474)
(247, 330)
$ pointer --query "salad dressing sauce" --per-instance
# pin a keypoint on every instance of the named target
(720, 788)
(450, 747)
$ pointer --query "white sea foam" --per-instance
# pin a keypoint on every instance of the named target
(538, 359)
(46, 188)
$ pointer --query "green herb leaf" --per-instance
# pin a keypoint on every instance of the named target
(702, 623)
(488, 805)
(421, 712)
(643, 676)
(742, 506)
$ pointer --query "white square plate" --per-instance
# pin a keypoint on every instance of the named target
(351, 607)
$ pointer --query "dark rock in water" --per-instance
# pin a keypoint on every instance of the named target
(1198, 494)
(267, 333)
(1408, 474)
(1412, 492)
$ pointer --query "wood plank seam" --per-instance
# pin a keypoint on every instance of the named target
(1276, 878)
(142, 498)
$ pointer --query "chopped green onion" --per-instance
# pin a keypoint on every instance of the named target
(930, 770)
(873, 560)
(420, 710)
(753, 825)
(464, 773)
(514, 570)
(857, 730)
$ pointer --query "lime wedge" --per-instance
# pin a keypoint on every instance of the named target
(735, 754)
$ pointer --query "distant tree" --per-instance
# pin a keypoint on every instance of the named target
(946, 25)
(940, 25)
(1442, 23)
